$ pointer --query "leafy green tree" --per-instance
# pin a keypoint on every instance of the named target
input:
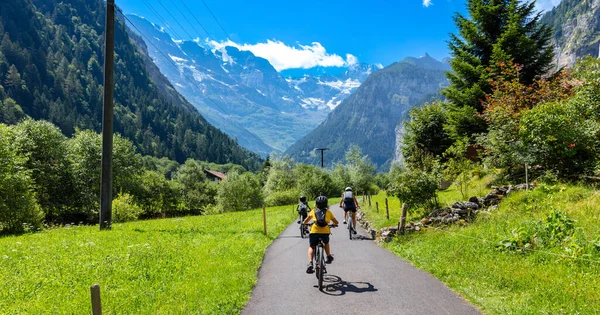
(313, 180)
(45, 147)
(360, 168)
(425, 133)
(280, 176)
(19, 210)
(10, 111)
(495, 31)
(240, 192)
(459, 167)
(413, 187)
(84, 152)
(197, 190)
(340, 178)
(156, 195)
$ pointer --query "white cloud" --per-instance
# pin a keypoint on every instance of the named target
(282, 56)
(427, 3)
(546, 5)
(351, 59)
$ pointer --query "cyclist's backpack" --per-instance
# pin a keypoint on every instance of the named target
(349, 200)
(320, 217)
(302, 208)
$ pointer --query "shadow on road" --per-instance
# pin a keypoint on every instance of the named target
(291, 236)
(335, 286)
(361, 238)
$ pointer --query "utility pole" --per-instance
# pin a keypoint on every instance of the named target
(107, 119)
(322, 150)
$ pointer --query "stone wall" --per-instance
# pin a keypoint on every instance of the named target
(461, 212)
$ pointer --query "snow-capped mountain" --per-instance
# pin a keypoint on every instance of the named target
(243, 94)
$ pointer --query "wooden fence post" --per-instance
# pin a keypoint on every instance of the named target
(402, 219)
(96, 304)
(264, 221)
(387, 209)
(377, 206)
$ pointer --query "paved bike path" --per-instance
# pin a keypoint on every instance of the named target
(363, 279)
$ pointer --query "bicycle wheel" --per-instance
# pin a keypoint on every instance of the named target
(350, 227)
(321, 267)
(302, 231)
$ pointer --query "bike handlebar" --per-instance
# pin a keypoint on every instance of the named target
(329, 225)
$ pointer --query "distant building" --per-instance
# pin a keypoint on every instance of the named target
(215, 176)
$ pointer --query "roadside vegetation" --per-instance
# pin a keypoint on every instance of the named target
(506, 115)
(191, 265)
(538, 253)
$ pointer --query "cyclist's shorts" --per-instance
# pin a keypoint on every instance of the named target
(349, 209)
(314, 239)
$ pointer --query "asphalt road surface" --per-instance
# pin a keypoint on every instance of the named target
(363, 279)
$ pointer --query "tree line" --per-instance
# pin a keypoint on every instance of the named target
(47, 178)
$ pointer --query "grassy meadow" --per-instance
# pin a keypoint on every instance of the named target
(560, 278)
(190, 265)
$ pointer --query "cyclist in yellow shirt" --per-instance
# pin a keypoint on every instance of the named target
(321, 217)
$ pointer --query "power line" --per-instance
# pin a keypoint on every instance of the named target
(169, 59)
(176, 21)
(192, 14)
(186, 19)
(161, 18)
(221, 26)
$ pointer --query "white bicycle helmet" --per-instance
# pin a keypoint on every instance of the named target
(348, 189)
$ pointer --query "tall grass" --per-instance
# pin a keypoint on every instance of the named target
(200, 265)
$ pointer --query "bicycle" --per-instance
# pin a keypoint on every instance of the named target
(303, 228)
(320, 261)
(350, 222)
(350, 228)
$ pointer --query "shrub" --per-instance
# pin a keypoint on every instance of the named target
(19, 210)
(282, 198)
(414, 187)
(562, 140)
(124, 209)
(240, 192)
(157, 195)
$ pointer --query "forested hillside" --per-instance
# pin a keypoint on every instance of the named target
(576, 25)
(51, 56)
(369, 117)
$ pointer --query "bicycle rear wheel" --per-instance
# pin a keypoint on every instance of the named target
(302, 230)
(321, 267)
(350, 227)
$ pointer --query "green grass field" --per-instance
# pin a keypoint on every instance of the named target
(561, 279)
(191, 265)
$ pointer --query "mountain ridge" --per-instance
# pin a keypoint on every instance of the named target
(243, 93)
(370, 116)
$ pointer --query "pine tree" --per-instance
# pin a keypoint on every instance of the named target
(497, 31)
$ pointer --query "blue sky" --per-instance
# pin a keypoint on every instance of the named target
(304, 34)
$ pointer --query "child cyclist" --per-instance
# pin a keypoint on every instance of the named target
(321, 217)
(303, 208)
